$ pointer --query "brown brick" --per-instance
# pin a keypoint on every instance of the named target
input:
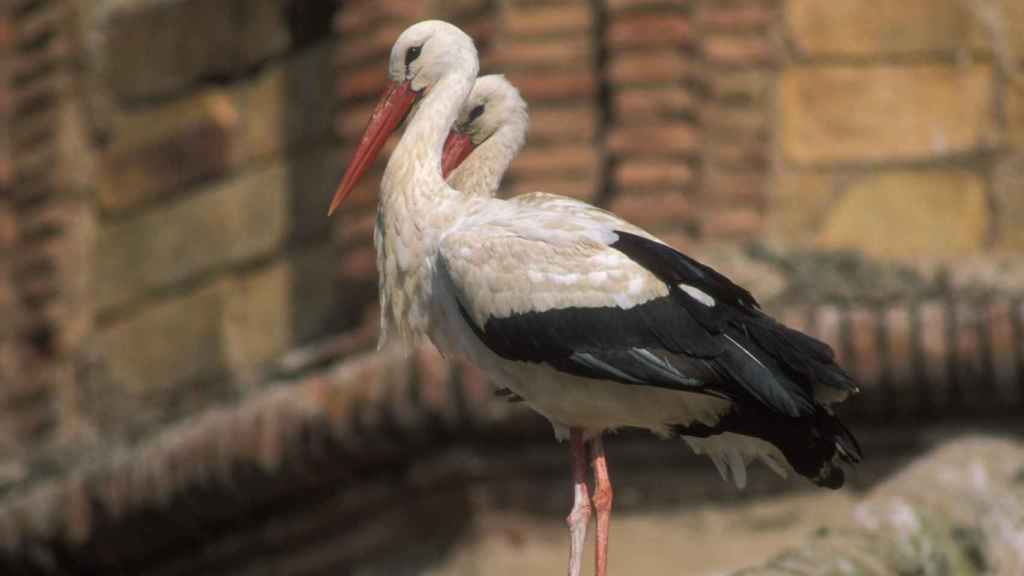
(1014, 102)
(866, 367)
(644, 30)
(827, 327)
(646, 103)
(584, 188)
(648, 67)
(661, 139)
(900, 354)
(624, 5)
(372, 47)
(366, 82)
(576, 84)
(565, 160)
(551, 19)
(968, 355)
(358, 265)
(640, 174)
(737, 50)
(162, 48)
(925, 111)
(734, 16)
(737, 223)
(751, 86)
(896, 214)
(171, 342)
(729, 187)
(734, 121)
(654, 210)
(570, 52)
(159, 150)
(562, 124)
(1004, 350)
(875, 28)
(935, 350)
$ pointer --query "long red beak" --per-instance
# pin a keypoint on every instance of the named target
(457, 147)
(391, 109)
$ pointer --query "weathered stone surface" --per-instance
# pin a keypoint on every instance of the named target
(653, 211)
(935, 213)
(631, 103)
(159, 48)
(257, 318)
(162, 149)
(799, 201)
(544, 53)
(1008, 190)
(234, 221)
(736, 50)
(837, 114)
(648, 29)
(876, 28)
(561, 124)
(642, 174)
(657, 139)
(167, 343)
(1015, 116)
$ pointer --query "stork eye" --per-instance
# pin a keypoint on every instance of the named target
(411, 54)
(475, 113)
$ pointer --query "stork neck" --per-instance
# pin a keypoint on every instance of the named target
(415, 165)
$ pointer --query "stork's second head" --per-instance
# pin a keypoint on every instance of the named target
(494, 104)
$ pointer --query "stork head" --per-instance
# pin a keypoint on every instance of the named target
(493, 104)
(423, 54)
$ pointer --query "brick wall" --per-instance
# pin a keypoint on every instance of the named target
(899, 127)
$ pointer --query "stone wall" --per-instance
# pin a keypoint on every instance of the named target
(899, 127)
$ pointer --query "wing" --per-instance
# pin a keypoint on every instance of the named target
(587, 294)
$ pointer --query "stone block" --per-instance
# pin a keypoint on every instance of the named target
(735, 16)
(910, 214)
(731, 223)
(287, 106)
(238, 220)
(1008, 195)
(159, 48)
(159, 150)
(876, 28)
(798, 203)
(257, 319)
(874, 113)
(1014, 103)
(166, 344)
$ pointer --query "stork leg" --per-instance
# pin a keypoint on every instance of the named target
(602, 503)
(580, 514)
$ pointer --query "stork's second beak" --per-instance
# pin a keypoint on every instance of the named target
(456, 148)
(391, 109)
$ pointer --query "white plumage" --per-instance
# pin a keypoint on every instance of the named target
(591, 320)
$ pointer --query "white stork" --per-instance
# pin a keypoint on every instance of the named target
(595, 323)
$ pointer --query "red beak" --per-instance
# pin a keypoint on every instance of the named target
(391, 109)
(456, 148)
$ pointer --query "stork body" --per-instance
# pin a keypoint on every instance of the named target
(595, 323)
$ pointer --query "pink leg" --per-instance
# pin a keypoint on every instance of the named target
(580, 514)
(602, 503)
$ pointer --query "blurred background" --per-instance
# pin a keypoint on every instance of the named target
(188, 375)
